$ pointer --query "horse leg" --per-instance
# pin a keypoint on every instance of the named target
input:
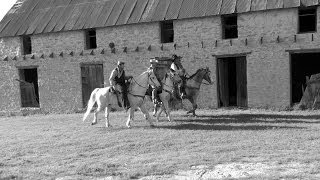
(106, 115)
(167, 109)
(95, 116)
(144, 110)
(130, 117)
(194, 107)
(155, 106)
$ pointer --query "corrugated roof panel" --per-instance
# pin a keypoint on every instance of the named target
(42, 4)
(25, 26)
(12, 26)
(243, 6)
(137, 11)
(105, 13)
(228, 6)
(309, 2)
(35, 23)
(274, 4)
(15, 24)
(186, 10)
(54, 20)
(28, 5)
(115, 13)
(258, 5)
(174, 9)
(149, 11)
(91, 21)
(161, 10)
(5, 22)
(83, 16)
(127, 10)
(77, 1)
(199, 8)
(213, 7)
(49, 4)
(291, 3)
(45, 21)
(78, 10)
(64, 18)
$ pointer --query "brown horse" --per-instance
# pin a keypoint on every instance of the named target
(192, 88)
(193, 84)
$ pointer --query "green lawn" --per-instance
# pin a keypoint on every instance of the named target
(259, 144)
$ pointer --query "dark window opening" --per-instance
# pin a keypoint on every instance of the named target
(307, 20)
(26, 43)
(302, 65)
(91, 39)
(29, 89)
(229, 27)
(167, 31)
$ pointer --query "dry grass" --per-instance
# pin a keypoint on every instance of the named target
(62, 146)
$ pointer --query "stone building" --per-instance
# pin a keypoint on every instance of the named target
(258, 51)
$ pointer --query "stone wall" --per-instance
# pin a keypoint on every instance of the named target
(198, 40)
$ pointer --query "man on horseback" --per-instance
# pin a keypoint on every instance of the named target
(153, 65)
(177, 67)
(118, 77)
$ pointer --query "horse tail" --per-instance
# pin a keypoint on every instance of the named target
(91, 102)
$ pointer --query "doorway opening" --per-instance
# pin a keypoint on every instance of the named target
(29, 89)
(302, 65)
(232, 81)
(91, 78)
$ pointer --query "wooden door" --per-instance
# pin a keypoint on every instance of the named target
(241, 74)
(223, 84)
(92, 77)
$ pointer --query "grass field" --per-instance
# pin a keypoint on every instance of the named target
(220, 144)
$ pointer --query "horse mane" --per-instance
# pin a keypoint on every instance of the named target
(195, 73)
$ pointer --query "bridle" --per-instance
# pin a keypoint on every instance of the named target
(206, 72)
(149, 74)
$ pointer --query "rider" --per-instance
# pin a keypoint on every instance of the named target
(118, 77)
(153, 65)
(177, 67)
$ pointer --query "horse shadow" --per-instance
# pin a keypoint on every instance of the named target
(253, 122)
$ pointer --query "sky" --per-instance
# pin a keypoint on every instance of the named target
(5, 6)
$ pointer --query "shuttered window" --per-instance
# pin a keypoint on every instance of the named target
(229, 27)
(91, 39)
(307, 20)
(167, 31)
(26, 45)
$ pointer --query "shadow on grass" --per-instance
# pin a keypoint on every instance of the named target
(254, 118)
(194, 126)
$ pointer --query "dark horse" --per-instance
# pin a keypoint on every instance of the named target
(192, 87)
(193, 84)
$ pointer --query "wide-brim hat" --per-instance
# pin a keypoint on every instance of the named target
(153, 61)
(176, 56)
(120, 62)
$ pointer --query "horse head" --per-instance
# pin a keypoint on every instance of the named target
(152, 79)
(174, 76)
(206, 75)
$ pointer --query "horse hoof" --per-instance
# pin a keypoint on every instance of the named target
(93, 123)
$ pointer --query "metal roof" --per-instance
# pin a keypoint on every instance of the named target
(42, 16)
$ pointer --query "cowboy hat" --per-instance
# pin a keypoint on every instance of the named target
(153, 60)
(120, 62)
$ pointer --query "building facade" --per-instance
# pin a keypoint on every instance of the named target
(259, 52)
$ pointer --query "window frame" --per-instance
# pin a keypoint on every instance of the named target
(229, 27)
(315, 15)
(91, 38)
(166, 34)
(26, 45)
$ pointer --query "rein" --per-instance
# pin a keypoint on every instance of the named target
(142, 96)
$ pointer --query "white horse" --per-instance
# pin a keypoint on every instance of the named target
(167, 93)
(106, 99)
